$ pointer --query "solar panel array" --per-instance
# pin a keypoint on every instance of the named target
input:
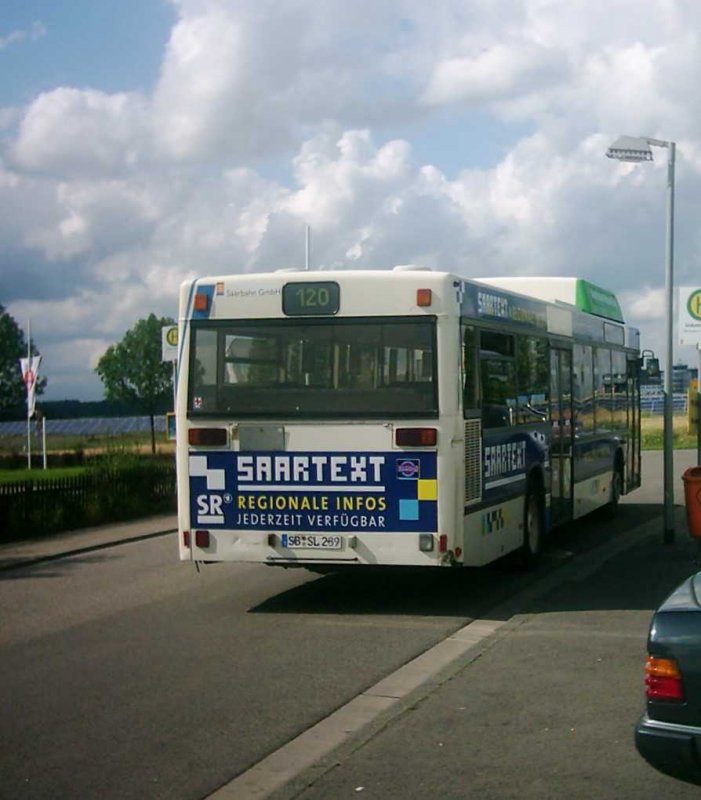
(88, 426)
(91, 426)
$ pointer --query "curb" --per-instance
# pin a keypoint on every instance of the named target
(8, 564)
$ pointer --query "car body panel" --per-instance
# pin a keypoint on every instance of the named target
(668, 735)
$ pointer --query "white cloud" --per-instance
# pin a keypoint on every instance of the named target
(202, 83)
(36, 31)
(77, 132)
(492, 74)
(269, 117)
(645, 303)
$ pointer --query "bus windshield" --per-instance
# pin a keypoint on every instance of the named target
(370, 367)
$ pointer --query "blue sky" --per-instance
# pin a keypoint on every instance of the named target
(145, 142)
(111, 46)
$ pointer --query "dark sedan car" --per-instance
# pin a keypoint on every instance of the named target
(668, 735)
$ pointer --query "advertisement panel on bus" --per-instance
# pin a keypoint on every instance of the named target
(314, 491)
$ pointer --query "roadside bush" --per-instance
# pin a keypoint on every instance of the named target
(115, 487)
(129, 485)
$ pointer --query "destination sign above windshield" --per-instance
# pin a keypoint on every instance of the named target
(317, 298)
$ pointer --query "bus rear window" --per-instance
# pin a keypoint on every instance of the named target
(296, 368)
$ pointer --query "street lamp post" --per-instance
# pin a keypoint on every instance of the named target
(635, 149)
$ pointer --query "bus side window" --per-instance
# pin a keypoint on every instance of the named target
(202, 388)
(602, 389)
(583, 374)
(533, 378)
(204, 364)
(470, 397)
(498, 378)
(619, 389)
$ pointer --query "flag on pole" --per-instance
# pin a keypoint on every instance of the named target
(30, 370)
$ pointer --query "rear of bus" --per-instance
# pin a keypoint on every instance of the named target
(315, 425)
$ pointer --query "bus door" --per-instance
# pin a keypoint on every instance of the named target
(562, 434)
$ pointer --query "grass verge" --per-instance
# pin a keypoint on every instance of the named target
(12, 475)
(652, 433)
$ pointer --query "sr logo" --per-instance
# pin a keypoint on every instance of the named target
(210, 508)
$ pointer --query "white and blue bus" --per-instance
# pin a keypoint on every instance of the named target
(398, 417)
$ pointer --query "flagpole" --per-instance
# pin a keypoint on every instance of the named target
(43, 437)
(29, 418)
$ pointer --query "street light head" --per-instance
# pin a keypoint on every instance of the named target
(630, 148)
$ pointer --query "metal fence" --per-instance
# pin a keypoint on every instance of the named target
(654, 404)
(38, 507)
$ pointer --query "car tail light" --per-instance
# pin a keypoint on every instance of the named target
(207, 437)
(663, 679)
(415, 437)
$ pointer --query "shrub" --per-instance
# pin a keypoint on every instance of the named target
(115, 487)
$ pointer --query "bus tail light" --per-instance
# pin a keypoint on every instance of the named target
(423, 297)
(415, 437)
(202, 539)
(663, 679)
(186, 539)
(443, 543)
(201, 301)
(207, 437)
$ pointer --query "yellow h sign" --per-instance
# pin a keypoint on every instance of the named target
(693, 304)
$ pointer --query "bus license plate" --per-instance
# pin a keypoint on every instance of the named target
(311, 541)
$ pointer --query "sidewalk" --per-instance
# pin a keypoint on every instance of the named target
(540, 704)
(46, 548)
(543, 708)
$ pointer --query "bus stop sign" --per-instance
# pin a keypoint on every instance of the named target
(690, 315)
(169, 343)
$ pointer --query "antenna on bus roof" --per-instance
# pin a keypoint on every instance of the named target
(308, 247)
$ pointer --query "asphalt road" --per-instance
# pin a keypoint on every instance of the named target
(125, 674)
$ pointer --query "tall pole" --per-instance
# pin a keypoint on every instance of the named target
(43, 438)
(698, 407)
(29, 418)
(668, 443)
(636, 149)
(307, 247)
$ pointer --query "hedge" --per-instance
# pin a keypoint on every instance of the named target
(112, 490)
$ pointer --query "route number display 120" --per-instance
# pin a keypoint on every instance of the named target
(310, 298)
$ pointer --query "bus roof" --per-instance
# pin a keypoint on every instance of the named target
(577, 292)
(259, 294)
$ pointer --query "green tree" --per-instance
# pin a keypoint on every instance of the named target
(132, 369)
(13, 346)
